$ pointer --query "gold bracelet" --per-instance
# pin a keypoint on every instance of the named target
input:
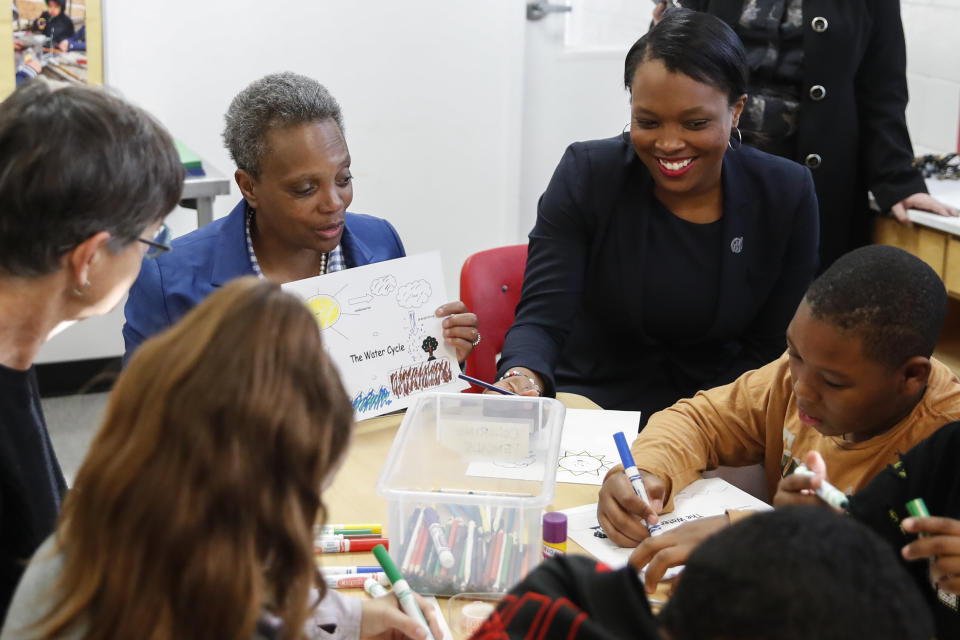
(513, 373)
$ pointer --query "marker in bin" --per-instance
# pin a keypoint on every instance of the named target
(435, 529)
(633, 474)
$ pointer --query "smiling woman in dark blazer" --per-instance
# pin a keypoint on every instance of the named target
(669, 259)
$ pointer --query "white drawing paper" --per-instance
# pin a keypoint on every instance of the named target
(701, 499)
(379, 328)
(587, 449)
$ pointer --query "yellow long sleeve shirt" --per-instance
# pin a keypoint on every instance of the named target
(754, 419)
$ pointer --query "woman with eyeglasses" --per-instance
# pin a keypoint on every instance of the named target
(85, 181)
(285, 134)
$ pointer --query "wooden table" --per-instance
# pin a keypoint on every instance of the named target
(934, 239)
(353, 498)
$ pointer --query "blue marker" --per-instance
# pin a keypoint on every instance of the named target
(486, 385)
(633, 474)
(352, 569)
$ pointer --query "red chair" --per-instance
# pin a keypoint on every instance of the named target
(490, 284)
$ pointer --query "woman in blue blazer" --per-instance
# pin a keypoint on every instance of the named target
(285, 133)
(669, 259)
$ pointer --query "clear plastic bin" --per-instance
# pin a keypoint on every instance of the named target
(485, 466)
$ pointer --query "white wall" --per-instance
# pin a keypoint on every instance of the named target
(430, 89)
(423, 85)
(933, 73)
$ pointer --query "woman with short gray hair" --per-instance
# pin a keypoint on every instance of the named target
(278, 100)
(285, 134)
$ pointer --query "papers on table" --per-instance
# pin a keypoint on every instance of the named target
(934, 221)
(379, 327)
(587, 449)
(701, 499)
(947, 191)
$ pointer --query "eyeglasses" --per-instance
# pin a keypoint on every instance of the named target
(159, 244)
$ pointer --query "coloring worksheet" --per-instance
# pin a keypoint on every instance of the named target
(379, 327)
(704, 498)
(587, 449)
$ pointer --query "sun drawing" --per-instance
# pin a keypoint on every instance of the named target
(583, 463)
(325, 309)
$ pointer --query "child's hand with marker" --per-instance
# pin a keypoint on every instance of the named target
(671, 549)
(383, 619)
(939, 542)
(803, 485)
(622, 513)
(630, 499)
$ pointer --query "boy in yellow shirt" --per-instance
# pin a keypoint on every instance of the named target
(857, 384)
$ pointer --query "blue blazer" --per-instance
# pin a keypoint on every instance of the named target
(580, 319)
(169, 286)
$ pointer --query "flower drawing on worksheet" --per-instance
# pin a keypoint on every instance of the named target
(584, 463)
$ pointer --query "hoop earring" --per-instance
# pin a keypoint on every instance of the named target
(739, 139)
(624, 130)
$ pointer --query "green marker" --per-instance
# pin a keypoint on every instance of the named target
(917, 508)
(400, 588)
(508, 544)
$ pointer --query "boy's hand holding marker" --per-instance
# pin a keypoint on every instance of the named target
(809, 485)
(629, 501)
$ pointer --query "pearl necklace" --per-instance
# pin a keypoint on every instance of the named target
(323, 263)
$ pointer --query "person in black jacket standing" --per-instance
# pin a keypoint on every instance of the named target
(828, 89)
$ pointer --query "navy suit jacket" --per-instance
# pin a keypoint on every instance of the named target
(213, 255)
(580, 318)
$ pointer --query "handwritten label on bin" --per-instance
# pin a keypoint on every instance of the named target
(499, 438)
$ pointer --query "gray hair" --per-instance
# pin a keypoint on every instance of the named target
(277, 100)
(74, 161)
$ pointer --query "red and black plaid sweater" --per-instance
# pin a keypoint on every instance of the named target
(573, 598)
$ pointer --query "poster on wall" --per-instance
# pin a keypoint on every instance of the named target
(56, 39)
(378, 325)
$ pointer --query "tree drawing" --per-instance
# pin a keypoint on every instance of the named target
(429, 344)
